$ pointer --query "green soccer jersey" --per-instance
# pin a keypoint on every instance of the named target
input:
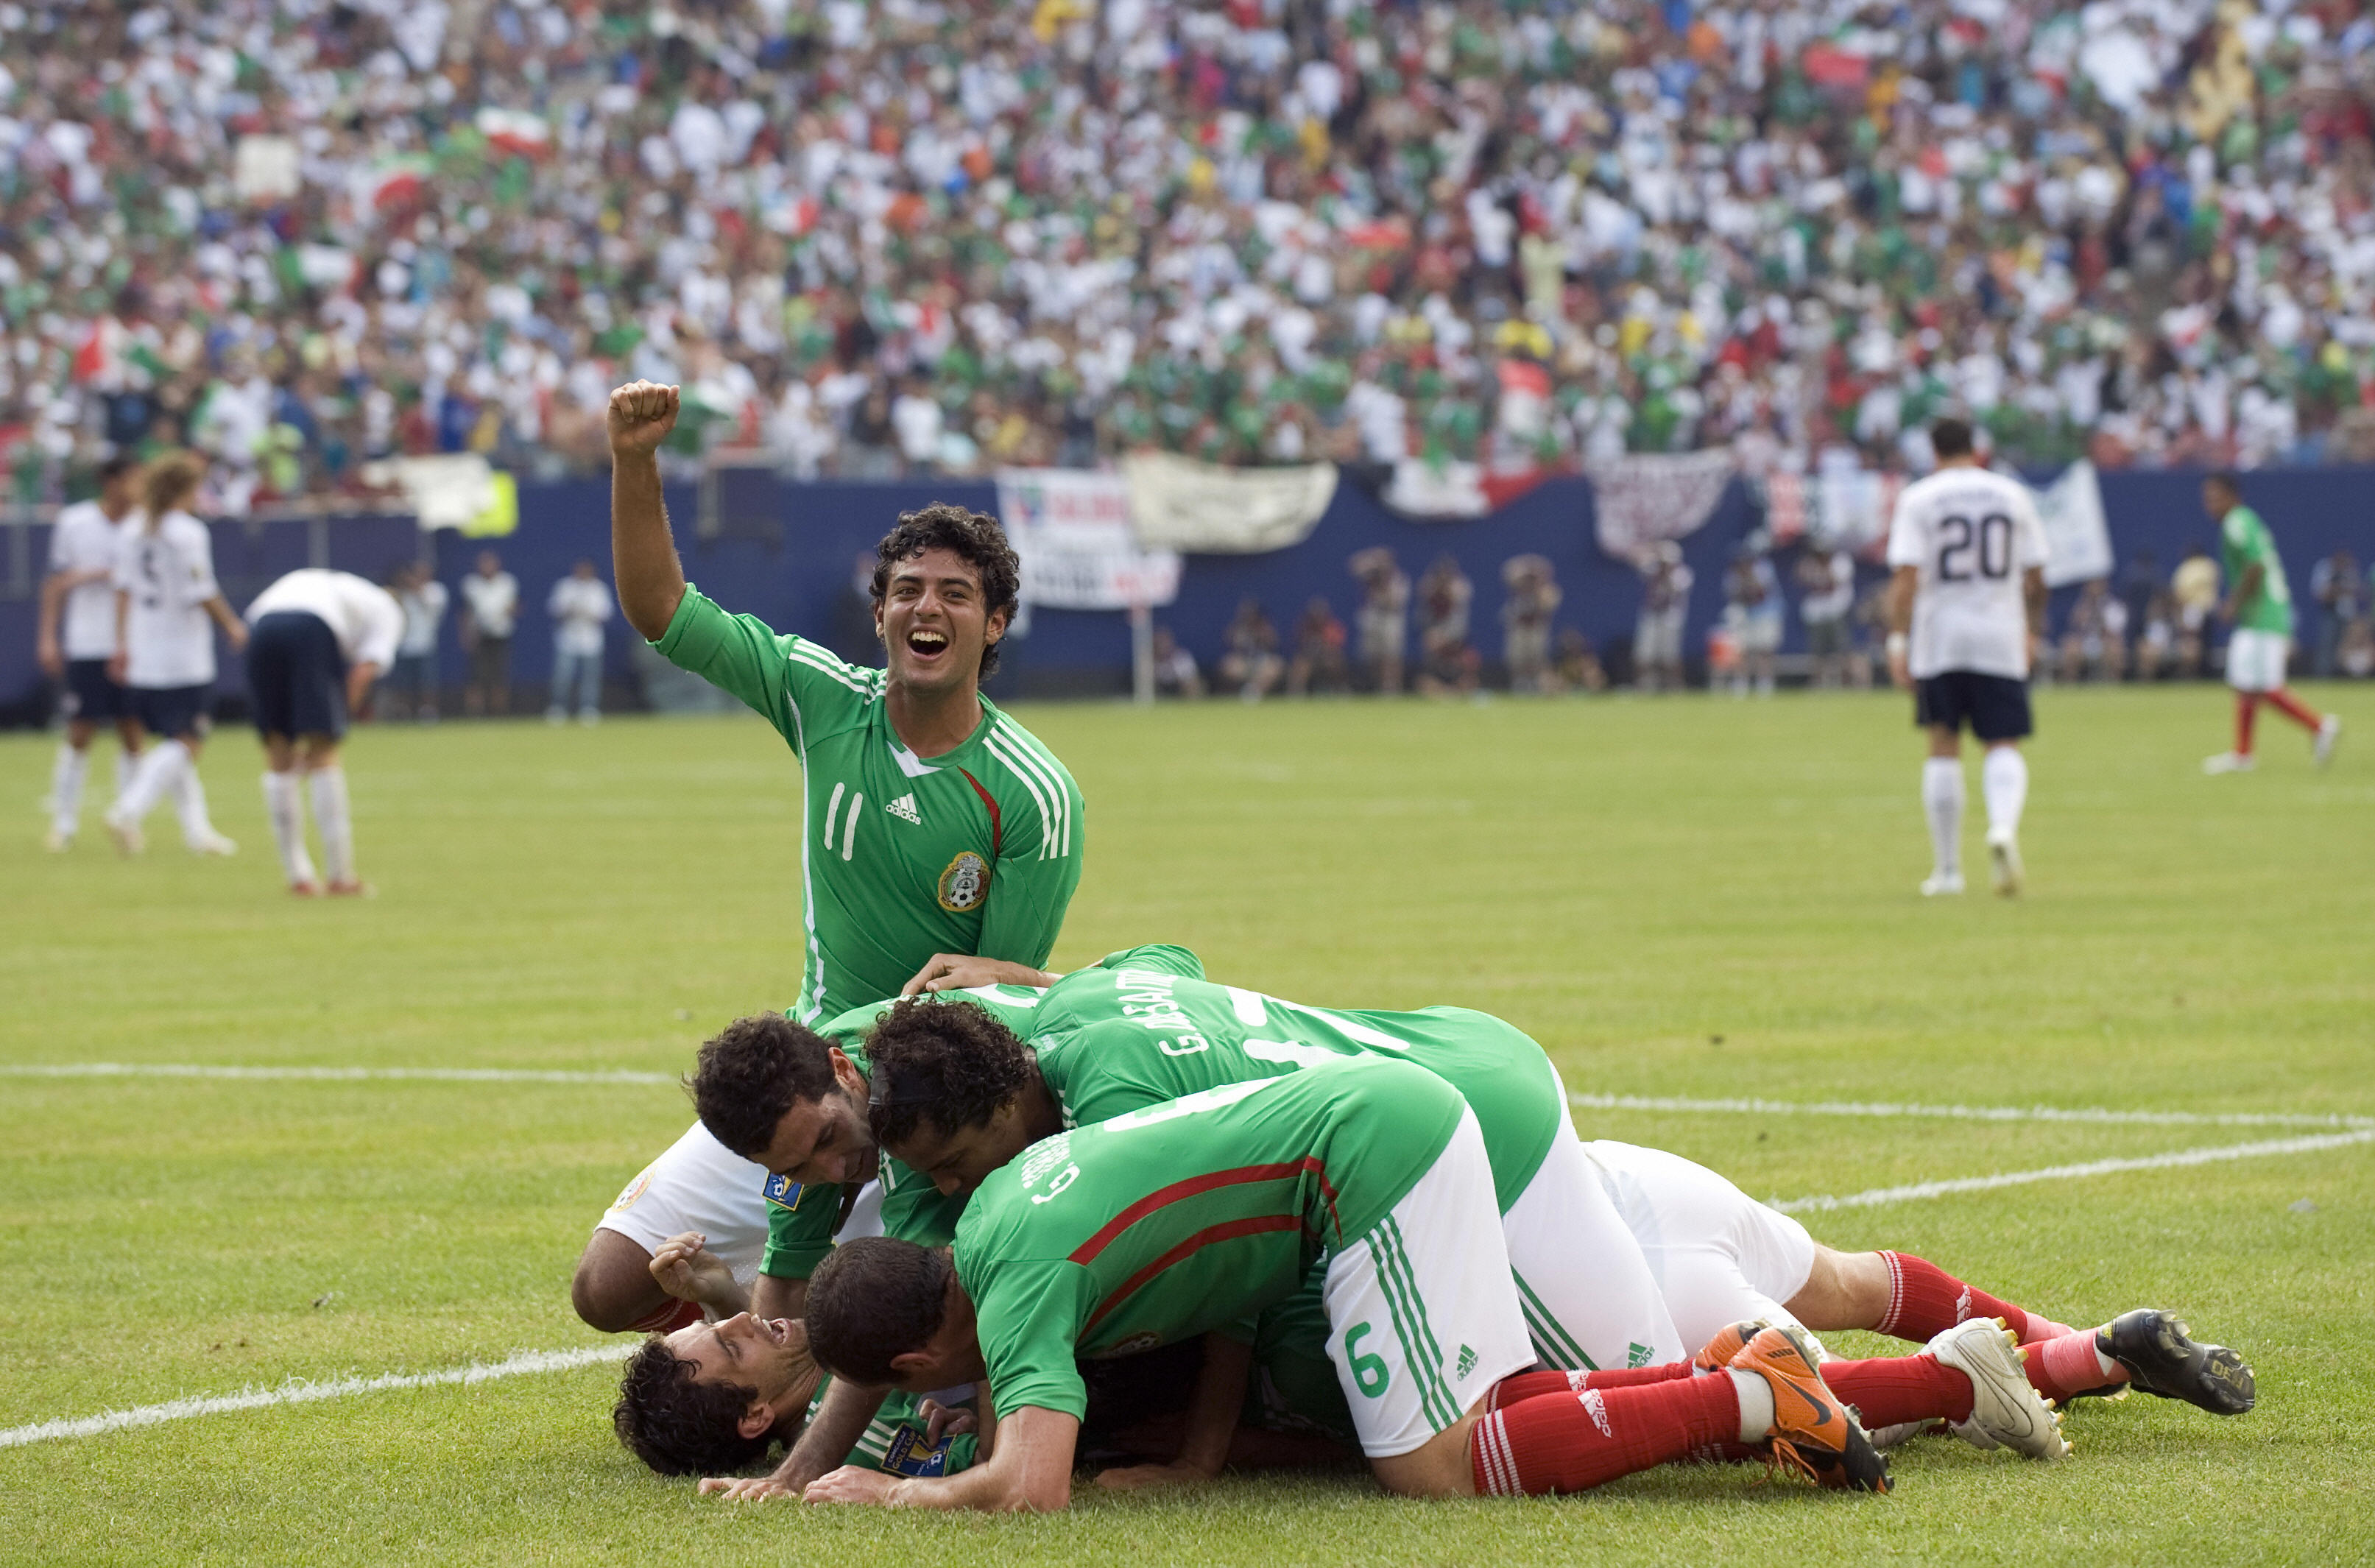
(1147, 1027)
(802, 1218)
(974, 851)
(1188, 1216)
(2245, 542)
(897, 1441)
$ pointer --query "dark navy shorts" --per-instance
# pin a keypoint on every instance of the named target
(91, 696)
(296, 675)
(170, 711)
(1994, 706)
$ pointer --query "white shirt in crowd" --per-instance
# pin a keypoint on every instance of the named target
(1824, 606)
(86, 540)
(493, 603)
(170, 574)
(579, 606)
(1972, 535)
(424, 610)
(361, 615)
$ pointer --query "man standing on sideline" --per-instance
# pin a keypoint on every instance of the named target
(422, 599)
(934, 825)
(78, 637)
(1966, 609)
(580, 607)
(319, 639)
(2260, 602)
(489, 614)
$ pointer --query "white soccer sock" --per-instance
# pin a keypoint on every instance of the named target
(1942, 797)
(159, 769)
(190, 803)
(328, 786)
(1756, 1412)
(65, 788)
(287, 813)
(2003, 779)
(127, 762)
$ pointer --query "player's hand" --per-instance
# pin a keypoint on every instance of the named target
(117, 664)
(687, 1270)
(52, 657)
(850, 1484)
(746, 1489)
(1146, 1477)
(642, 414)
(236, 634)
(957, 971)
(953, 1420)
(1900, 670)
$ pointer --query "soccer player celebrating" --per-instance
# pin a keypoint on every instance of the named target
(934, 823)
(2260, 602)
(76, 639)
(1965, 604)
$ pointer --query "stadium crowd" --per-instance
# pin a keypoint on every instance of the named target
(941, 235)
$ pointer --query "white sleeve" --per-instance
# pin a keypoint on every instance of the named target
(202, 584)
(1906, 545)
(58, 546)
(125, 543)
(383, 625)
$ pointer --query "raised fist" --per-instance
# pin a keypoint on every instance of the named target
(642, 414)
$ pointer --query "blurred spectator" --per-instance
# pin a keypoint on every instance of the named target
(1382, 617)
(489, 615)
(1751, 614)
(2156, 644)
(1579, 667)
(2194, 587)
(1867, 638)
(412, 681)
(1530, 600)
(2340, 590)
(2095, 639)
(2138, 583)
(1448, 662)
(1826, 584)
(580, 607)
(1249, 657)
(2355, 658)
(1174, 668)
(1318, 663)
(1658, 633)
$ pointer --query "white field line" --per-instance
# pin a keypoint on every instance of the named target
(333, 1075)
(2212, 1156)
(305, 1393)
(1964, 1112)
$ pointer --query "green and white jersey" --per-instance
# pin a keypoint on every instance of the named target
(974, 851)
(1187, 1216)
(1147, 1027)
(2244, 542)
(802, 1218)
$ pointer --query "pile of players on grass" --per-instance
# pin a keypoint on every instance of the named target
(954, 1226)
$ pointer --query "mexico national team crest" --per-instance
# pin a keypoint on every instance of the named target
(965, 883)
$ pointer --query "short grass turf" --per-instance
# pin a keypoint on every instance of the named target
(1686, 897)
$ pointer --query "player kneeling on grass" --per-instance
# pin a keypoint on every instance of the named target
(1173, 1221)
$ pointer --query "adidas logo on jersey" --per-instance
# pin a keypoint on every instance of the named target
(905, 810)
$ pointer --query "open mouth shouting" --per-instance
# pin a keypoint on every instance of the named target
(927, 643)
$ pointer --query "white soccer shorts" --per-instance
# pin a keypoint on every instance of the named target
(2256, 660)
(1718, 1255)
(698, 1184)
(1423, 1317)
(1590, 1296)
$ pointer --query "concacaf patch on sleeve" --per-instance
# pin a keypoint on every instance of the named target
(909, 1454)
(782, 1192)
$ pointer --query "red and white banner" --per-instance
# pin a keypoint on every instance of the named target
(1070, 527)
(1643, 499)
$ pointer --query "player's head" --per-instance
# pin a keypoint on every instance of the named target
(946, 1094)
(118, 483)
(171, 482)
(888, 1312)
(1952, 439)
(774, 1092)
(946, 584)
(702, 1401)
(2221, 494)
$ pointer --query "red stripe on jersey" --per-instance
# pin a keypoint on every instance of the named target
(996, 830)
(1259, 1225)
(1164, 1197)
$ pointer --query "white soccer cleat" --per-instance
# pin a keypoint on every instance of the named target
(2005, 1411)
(126, 833)
(57, 842)
(2328, 732)
(213, 843)
(2004, 863)
(2230, 763)
(1939, 884)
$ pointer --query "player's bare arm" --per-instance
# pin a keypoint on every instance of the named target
(643, 554)
(831, 1433)
(687, 1270)
(54, 589)
(1029, 1471)
(960, 972)
(1213, 1413)
(1902, 586)
(773, 1296)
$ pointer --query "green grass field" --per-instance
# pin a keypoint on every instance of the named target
(1682, 897)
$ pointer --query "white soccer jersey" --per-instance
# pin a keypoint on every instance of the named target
(364, 617)
(170, 574)
(1972, 535)
(86, 540)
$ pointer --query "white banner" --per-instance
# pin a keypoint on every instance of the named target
(1433, 491)
(1180, 504)
(2077, 541)
(1644, 499)
(1070, 527)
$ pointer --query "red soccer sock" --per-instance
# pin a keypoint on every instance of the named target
(2247, 708)
(1519, 1387)
(1924, 1301)
(672, 1315)
(2064, 1367)
(2283, 701)
(1571, 1442)
(1890, 1389)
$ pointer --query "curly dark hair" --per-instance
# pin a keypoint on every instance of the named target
(973, 538)
(947, 1060)
(679, 1427)
(756, 1070)
(874, 1299)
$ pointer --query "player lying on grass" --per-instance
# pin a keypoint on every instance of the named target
(1194, 1215)
(933, 823)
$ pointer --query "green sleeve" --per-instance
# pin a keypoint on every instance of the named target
(1028, 895)
(793, 683)
(799, 1226)
(1030, 1312)
(1165, 957)
(915, 1210)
